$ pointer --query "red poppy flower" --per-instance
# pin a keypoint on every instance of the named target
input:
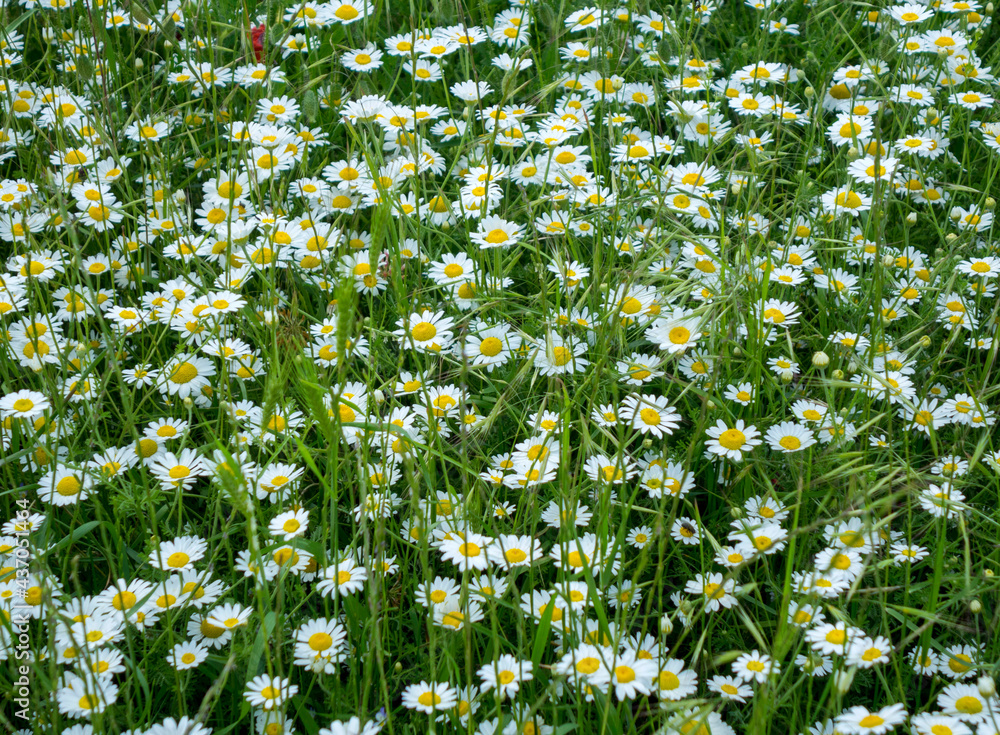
(257, 39)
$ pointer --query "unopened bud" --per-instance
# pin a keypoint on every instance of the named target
(737, 351)
(645, 445)
(379, 396)
(950, 237)
(710, 405)
(187, 402)
(888, 261)
(990, 203)
(852, 366)
(398, 668)
(986, 686)
(911, 219)
(810, 92)
(838, 375)
(666, 625)
(955, 215)
(787, 378)
(975, 607)
(843, 680)
(853, 153)
(989, 8)
(925, 341)
(167, 45)
(139, 64)
(821, 359)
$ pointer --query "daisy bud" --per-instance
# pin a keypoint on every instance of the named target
(943, 53)
(786, 378)
(821, 359)
(666, 625)
(951, 237)
(379, 396)
(989, 8)
(853, 153)
(931, 115)
(604, 288)
(736, 512)
(911, 219)
(737, 187)
(888, 261)
(810, 92)
(187, 402)
(990, 203)
(838, 374)
(398, 667)
(988, 573)
(167, 45)
(843, 680)
(139, 64)
(986, 686)
(737, 352)
(745, 46)
(975, 607)
(925, 341)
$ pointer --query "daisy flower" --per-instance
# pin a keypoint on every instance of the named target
(269, 692)
(650, 414)
(627, 674)
(714, 588)
(755, 666)
(732, 442)
(179, 554)
(505, 675)
(788, 437)
(430, 697)
(859, 720)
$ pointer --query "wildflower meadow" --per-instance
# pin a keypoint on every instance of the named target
(499, 367)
